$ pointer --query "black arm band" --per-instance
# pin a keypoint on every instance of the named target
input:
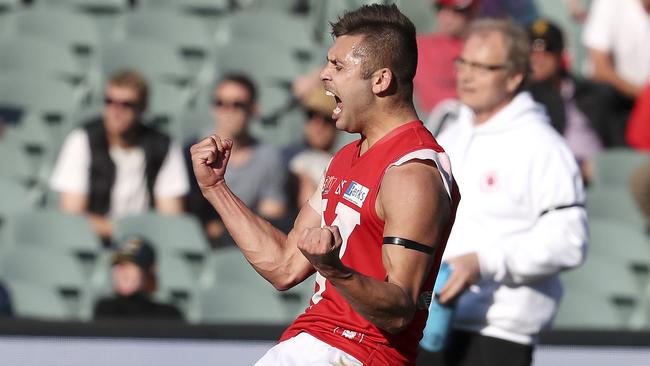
(409, 244)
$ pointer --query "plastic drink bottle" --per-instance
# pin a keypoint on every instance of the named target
(440, 316)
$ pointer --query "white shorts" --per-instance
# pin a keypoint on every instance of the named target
(306, 350)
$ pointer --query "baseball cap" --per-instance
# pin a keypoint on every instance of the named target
(457, 4)
(137, 250)
(546, 36)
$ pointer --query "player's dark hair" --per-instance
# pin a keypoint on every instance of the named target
(388, 41)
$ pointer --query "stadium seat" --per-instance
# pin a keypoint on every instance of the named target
(40, 57)
(282, 30)
(178, 233)
(609, 279)
(232, 303)
(65, 26)
(52, 268)
(156, 60)
(614, 203)
(177, 284)
(14, 163)
(613, 168)
(228, 265)
(167, 107)
(622, 242)
(15, 198)
(199, 7)
(245, 57)
(91, 5)
(583, 310)
(34, 301)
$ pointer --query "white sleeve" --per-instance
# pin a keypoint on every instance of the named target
(559, 236)
(71, 170)
(172, 179)
(597, 33)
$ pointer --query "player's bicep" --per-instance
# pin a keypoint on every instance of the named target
(416, 210)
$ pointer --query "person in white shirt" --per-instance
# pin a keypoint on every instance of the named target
(521, 221)
(114, 165)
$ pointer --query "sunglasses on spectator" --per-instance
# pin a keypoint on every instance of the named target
(238, 104)
(125, 104)
(311, 114)
(438, 7)
(461, 63)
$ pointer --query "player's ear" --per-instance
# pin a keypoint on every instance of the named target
(381, 80)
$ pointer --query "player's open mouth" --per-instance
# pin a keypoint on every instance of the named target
(339, 105)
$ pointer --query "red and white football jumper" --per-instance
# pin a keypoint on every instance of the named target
(349, 192)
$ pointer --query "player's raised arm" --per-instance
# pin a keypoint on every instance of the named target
(272, 253)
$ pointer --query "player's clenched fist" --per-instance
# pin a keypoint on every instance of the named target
(209, 160)
(321, 246)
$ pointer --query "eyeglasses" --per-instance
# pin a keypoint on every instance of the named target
(125, 104)
(482, 68)
(238, 104)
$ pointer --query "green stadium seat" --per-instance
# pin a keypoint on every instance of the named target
(39, 57)
(623, 242)
(613, 168)
(614, 203)
(228, 265)
(198, 7)
(14, 163)
(156, 60)
(91, 5)
(34, 301)
(232, 303)
(580, 310)
(52, 268)
(72, 29)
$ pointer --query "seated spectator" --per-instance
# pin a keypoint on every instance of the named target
(308, 161)
(115, 165)
(134, 282)
(255, 171)
(617, 34)
(435, 77)
(573, 104)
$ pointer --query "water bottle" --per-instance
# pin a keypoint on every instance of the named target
(440, 316)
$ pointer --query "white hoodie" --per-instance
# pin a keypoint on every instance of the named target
(520, 212)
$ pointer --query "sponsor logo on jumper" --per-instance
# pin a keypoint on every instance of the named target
(356, 193)
(328, 184)
(340, 187)
(349, 334)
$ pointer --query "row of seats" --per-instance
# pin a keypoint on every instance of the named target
(60, 255)
(611, 290)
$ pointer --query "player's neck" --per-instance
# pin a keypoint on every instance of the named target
(384, 122)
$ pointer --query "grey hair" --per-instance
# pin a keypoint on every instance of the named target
(515, 38)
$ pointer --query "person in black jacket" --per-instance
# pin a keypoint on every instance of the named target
(134, 282)
(116, 165)
(574, 105)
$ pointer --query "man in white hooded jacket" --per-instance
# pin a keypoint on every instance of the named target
(522, 220)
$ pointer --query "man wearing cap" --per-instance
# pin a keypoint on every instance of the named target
(134, 282)
(573, 104)
(435, 78)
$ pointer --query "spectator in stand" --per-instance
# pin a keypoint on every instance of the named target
(435, 78)
(115, 165)
(256, 172)
(308, 161)
(617, 34)
(134, 282)
(573, 104)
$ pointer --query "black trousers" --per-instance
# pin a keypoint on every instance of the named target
(472, 349)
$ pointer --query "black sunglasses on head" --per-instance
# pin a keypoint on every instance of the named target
(121, 103)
